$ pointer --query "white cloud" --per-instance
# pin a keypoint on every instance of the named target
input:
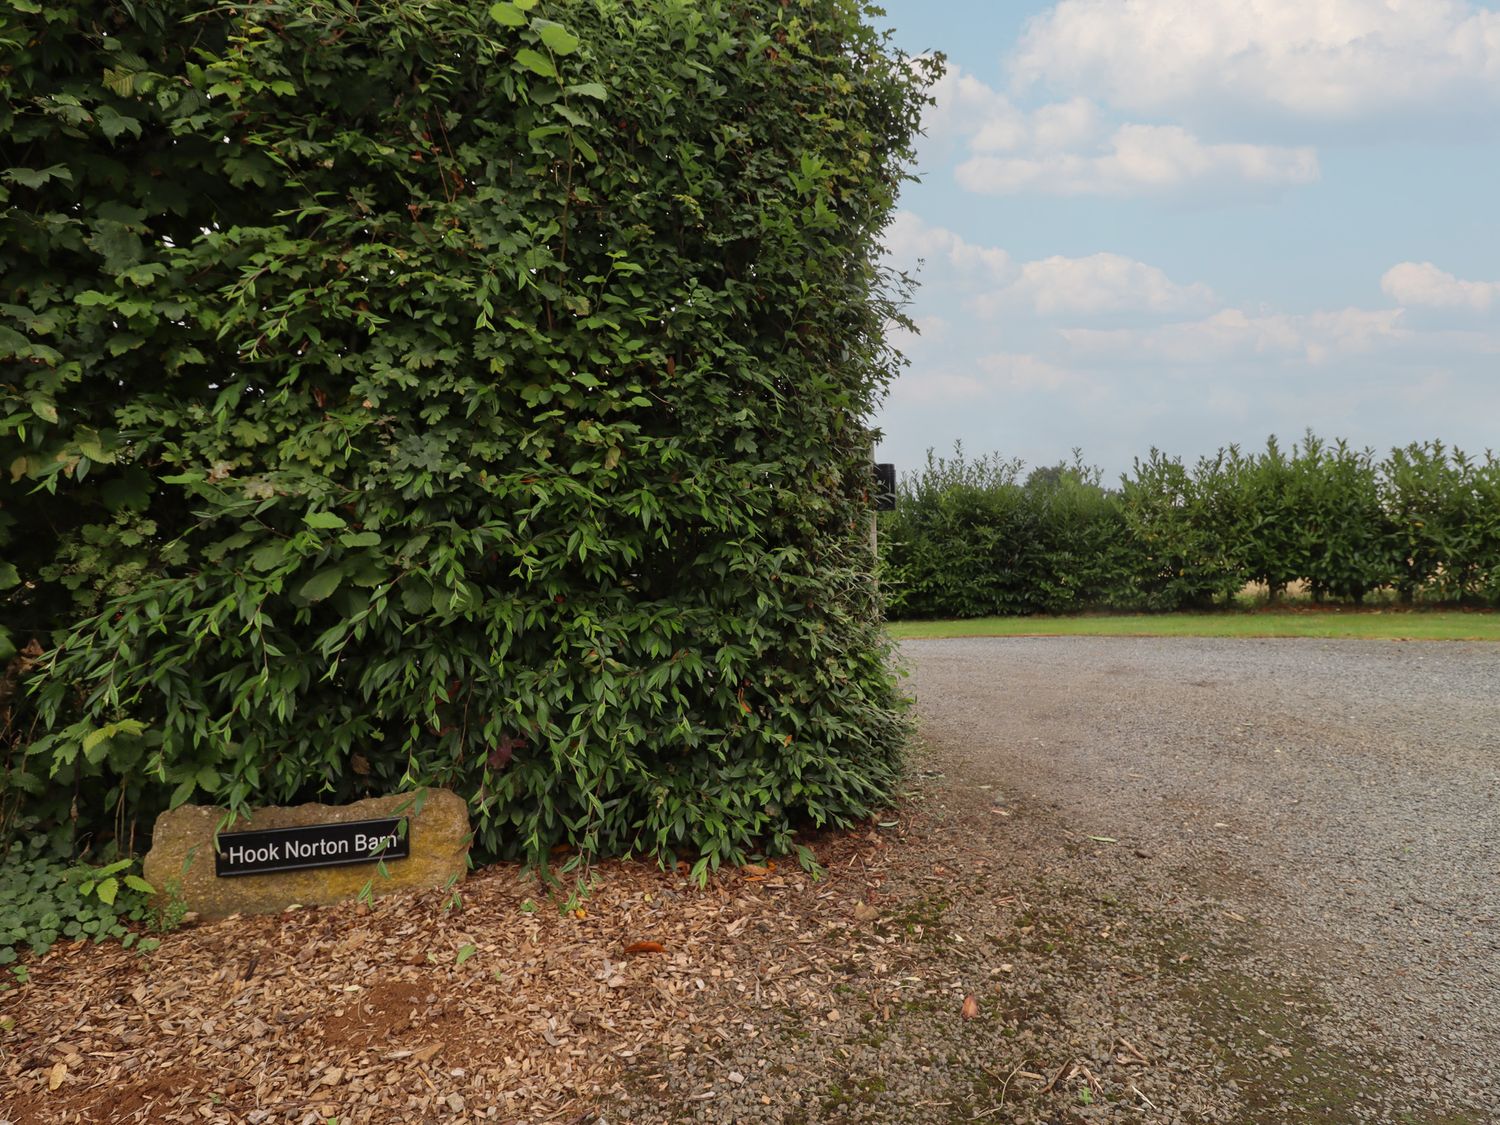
(965, 106)
(931, 330)
(1232, 334)
(1422, 284)
(1140, 160)
(987, 376)
(910, 240)
(934, 329)
(917, 389)
(1308, 59)
(1099, 283)
(1075, 123)
(1022, 373)
(990, 283)
(994, 125)
(1070, 148)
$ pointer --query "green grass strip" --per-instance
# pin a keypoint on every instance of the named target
(1416, 625)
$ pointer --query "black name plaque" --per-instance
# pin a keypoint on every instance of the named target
(267, 850)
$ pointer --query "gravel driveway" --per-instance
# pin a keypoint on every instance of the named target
(1148, 882)
(1340, 799)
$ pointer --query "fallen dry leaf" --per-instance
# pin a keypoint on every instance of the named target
(56, 1074)
(864, 912)
(425, 1054)
(971, 1007)
(645, 947)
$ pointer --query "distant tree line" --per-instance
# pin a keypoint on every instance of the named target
(973, 537)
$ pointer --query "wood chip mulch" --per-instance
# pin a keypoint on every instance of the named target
(501, 1009)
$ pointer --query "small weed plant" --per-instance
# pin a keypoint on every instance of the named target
(46, 899)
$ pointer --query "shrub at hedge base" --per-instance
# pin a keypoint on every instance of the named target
(433, 393)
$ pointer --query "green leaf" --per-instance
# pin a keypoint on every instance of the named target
(325, 521)
(268, 557)
(465, 953)
(36, 177)
(368, 571)
(136, 883)
(107, 891)
(507, 14)
(9, 577)
(322, 584)
(113, 123)
(536, 63)
(361, 539)
(43, 409)
(588, 90)
(555, 37)
(120, 81)
(143, 274)
(95, 737)
(416, 596)
(91, 448)
(526, 5)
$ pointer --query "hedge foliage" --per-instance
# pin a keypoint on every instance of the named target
(421, 392)
(971, 538)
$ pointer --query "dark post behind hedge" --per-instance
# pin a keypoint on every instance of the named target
(431, 393)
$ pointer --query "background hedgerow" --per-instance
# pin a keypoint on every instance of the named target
(410, 393)
(969, 538)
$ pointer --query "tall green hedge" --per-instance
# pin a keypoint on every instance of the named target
(970, 538)
(426, 392)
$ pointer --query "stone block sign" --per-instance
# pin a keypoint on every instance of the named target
(313, 855)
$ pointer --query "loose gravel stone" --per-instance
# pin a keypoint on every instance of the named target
(1341, 796)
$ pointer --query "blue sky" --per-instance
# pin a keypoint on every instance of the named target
(1186, 223)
